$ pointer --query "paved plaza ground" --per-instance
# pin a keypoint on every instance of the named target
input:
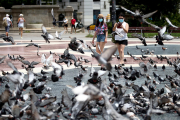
(58, 46)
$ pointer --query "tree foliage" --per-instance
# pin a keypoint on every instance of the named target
(7, 4)
(166, 8)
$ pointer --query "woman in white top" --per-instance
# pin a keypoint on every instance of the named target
(121, 38)
(21, 21)
(66, 24)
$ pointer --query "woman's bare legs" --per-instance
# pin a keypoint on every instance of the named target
(121, 52)
(21, 31)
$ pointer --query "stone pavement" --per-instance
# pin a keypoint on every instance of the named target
(58, 46)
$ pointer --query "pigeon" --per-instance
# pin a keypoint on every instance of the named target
(138, 15)
(33, 44)
(30, 65)
(9, 39)
(58, 36)
(58, 69)
(161, 31)
(46, 36)
(54, 19)
(164, 48)
(46, 62)
(105, 56)
(143, 40)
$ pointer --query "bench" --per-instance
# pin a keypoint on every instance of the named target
(150, 30)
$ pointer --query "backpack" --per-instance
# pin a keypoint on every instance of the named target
(4, 23)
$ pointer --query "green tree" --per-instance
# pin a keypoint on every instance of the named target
(7, 4)
(166, 8)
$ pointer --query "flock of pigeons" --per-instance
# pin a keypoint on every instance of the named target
(108, 99)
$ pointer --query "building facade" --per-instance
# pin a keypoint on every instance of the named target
(89, 9)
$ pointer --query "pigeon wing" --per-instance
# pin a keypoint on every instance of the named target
(12, 66)
(107, 54)
(34, 63)
(61, 33)
(149, 14)
(162, 31)
(43, 59)
(72, 57)
(66, 101)
(101, 72)
(156, 27)
(56, 34)
(50, 58)
(52, 13)
(169, 22)
(25, 62)
(2, 59)
(127, 10)
(50, 36)
(44, 31)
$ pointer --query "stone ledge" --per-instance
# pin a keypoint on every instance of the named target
(34, 6)
(34, 26)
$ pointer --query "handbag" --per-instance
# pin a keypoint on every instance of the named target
(113, 38)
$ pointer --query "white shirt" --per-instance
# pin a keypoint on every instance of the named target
(65, 21)
(8, 20)
(122, 34)
(21, 22)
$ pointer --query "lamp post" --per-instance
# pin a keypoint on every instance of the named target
(113, 12)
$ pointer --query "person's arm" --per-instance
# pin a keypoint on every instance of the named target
(24, 20)
(94, 37)
(126, 29)
(18, 21)
(11, 23)
(115, 26)
(106, 33)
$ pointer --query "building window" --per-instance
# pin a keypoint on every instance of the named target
(60, 0)
(73, 0)
(95, 15)
(96, 0)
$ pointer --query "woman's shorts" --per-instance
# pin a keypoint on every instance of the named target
(20, 26)
(122, 42)
(101, 38)
(66, 25)
(7, 28)
(73, 26)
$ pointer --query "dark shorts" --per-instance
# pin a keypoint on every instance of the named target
(122, 42)
(73, 26)
(101, 38)
(66, 25)
(7, 28)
